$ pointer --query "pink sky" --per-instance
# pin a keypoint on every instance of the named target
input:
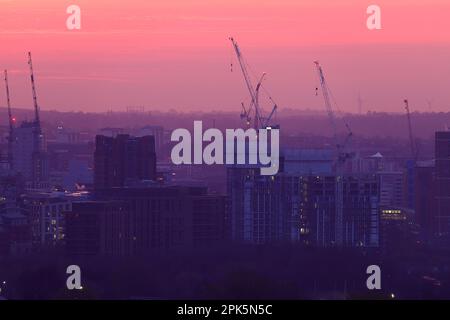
(176, 54)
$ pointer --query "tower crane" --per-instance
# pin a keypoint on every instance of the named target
(33, 88)
(37, 122)
(11, 121)
(340, 157)
(259, 120)
(410, 132)
(38, 155)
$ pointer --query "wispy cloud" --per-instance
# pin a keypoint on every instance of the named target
(83, 78)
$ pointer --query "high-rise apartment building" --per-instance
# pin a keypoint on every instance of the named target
(123, 159)
(136, 220)
(29, 155)
(441, 219)
(299, 203)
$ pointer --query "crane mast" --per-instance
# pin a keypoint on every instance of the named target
(340, 158)
(38, 154)
(410, 132)
(11, 121)
(37, 135)
(33, 88)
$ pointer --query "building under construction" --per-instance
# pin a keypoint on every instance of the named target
(27, 155)
(298, 205)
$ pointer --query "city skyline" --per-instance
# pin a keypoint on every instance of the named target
(211, 149)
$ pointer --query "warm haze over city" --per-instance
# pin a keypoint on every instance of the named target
(216, 157)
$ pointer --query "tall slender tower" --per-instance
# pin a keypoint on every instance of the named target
(360, 104)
